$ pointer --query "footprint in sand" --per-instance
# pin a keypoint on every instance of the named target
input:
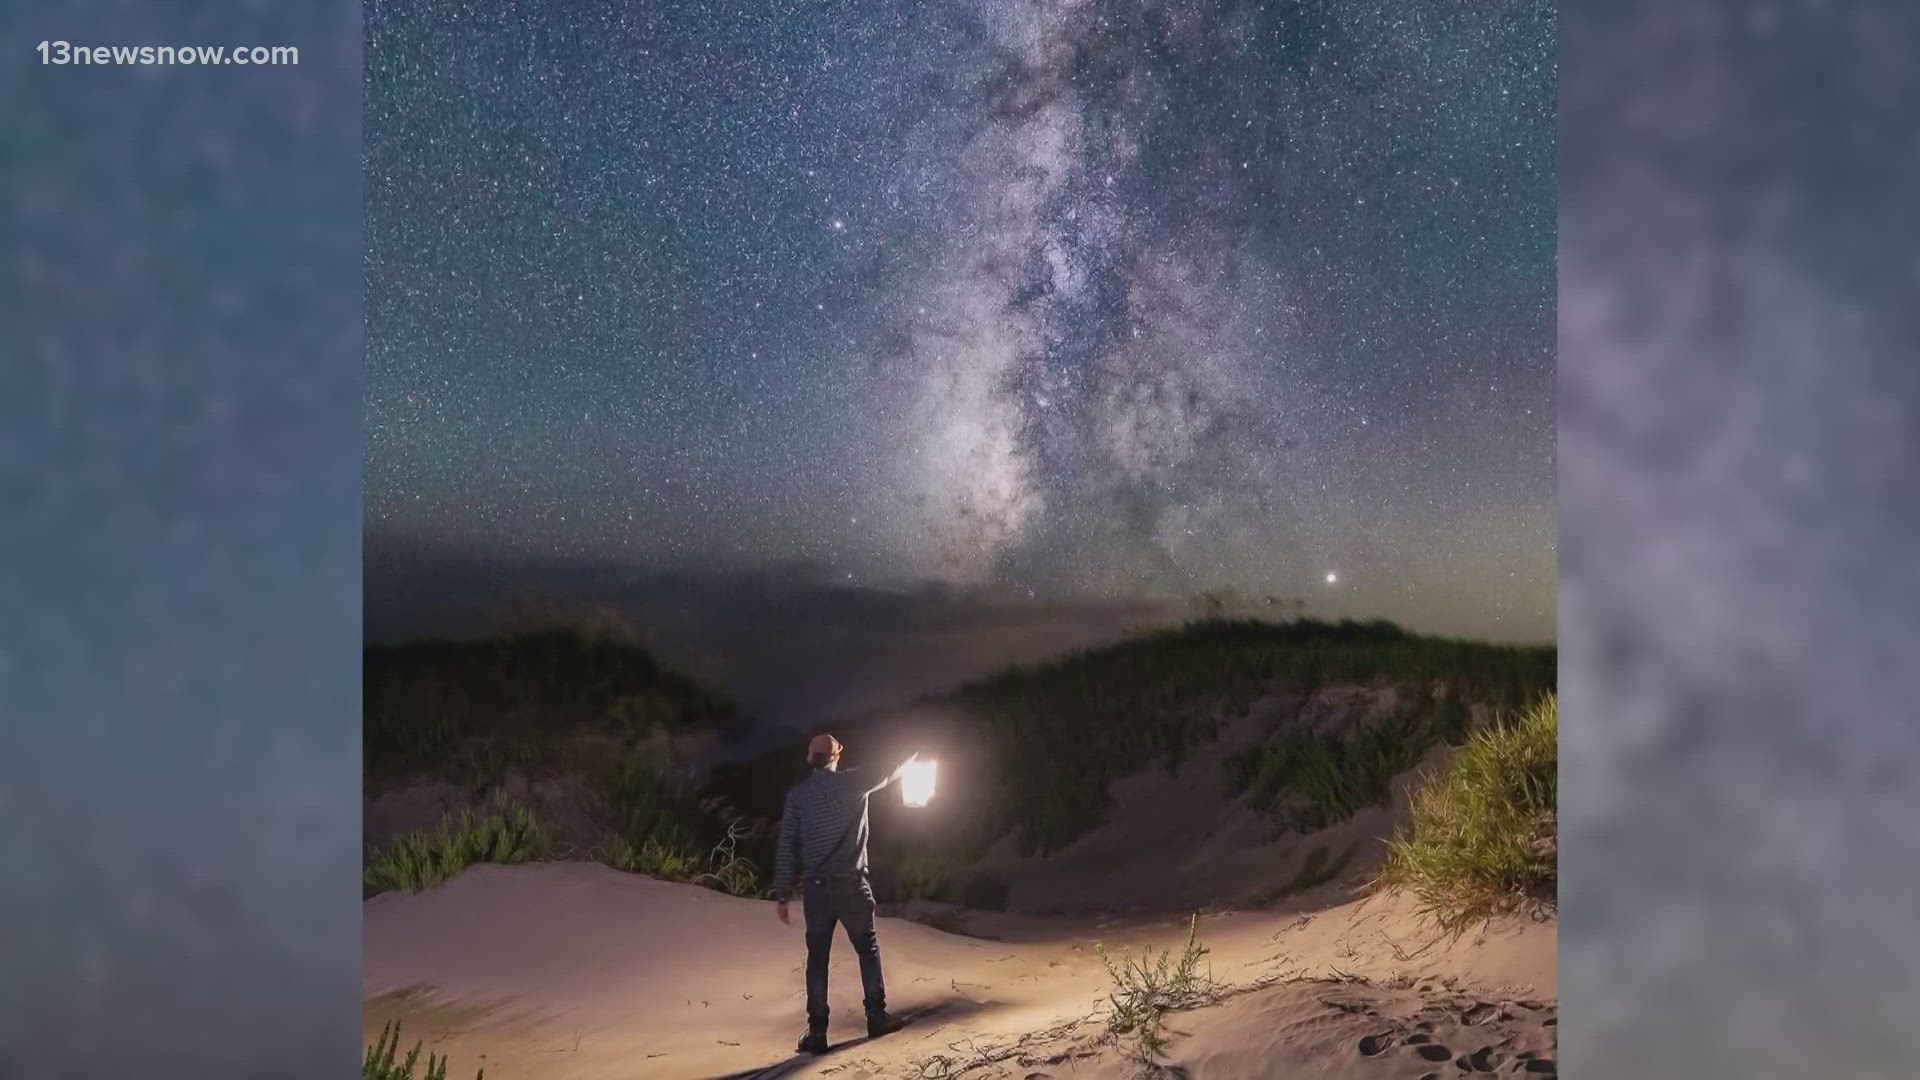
(1478, 1014)
(1486, 1059)
(1434, 1052)
(1541, 1067)
(1375, 1045)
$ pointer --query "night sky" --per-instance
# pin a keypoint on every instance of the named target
(1048, 314)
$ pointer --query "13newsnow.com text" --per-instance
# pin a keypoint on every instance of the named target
(62, 52)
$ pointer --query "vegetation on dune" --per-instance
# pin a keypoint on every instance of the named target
(1063, 731)
(581, 699)
(1143, 992)
(503, 834)
(1308, 780)
(555, 699)
(382, 1060)
(1484, 838)
(1041, 744)
(664, 829)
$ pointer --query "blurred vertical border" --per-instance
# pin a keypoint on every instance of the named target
(180, 480)
(1739, 478)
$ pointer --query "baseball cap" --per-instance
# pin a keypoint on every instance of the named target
(823, 748)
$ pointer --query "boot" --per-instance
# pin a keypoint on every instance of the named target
(815, 1042)
(882, 1023)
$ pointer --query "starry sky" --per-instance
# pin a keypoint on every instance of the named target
(1047, 314)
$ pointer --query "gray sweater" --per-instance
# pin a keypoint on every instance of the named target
(819, 811)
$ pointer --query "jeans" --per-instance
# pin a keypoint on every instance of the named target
(847, 901)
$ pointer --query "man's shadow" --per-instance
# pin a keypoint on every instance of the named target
(933, 1012)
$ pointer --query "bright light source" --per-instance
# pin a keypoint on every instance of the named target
(916, 783)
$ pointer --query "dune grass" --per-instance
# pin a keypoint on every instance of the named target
(1484, 837)
(575, 696)
(560, 698)
(663, 829)
(1309, 782)
(1144, 991)
(1062, 731)
(502, 834)
(382, 1060)
(671, 857)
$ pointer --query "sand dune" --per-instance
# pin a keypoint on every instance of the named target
(1172, 843)
(572, 971)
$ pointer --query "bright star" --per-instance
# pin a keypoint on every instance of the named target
(1332, 578)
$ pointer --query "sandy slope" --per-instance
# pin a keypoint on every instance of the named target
(572, 970)
(1171, 842)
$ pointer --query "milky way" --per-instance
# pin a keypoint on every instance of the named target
(1060, 298)
(1070, 364)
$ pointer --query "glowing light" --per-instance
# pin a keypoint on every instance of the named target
(916, 783)
(1333, 578)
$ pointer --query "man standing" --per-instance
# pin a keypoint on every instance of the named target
(823, 837)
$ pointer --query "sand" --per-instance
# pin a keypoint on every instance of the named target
(573, 971)
(1171, 842)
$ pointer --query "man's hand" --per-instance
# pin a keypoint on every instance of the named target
(780, 909)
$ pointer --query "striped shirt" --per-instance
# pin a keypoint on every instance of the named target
(820, 810)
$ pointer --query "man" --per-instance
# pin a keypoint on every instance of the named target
(823, 837)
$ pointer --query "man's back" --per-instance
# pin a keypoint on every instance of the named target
(823, 829)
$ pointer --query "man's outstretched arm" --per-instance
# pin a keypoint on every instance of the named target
(894, 775)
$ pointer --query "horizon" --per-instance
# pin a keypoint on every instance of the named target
(794, 651)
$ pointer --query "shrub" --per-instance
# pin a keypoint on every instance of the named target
(380, 1064)
(668, 856)
(1142, 992)
(421, 860)
(728, 871)
(1484, 837)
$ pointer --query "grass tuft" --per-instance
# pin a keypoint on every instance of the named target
(505, 834)
(1143, 992)
(382, 1061)
(663, 830)
(1484, 838)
